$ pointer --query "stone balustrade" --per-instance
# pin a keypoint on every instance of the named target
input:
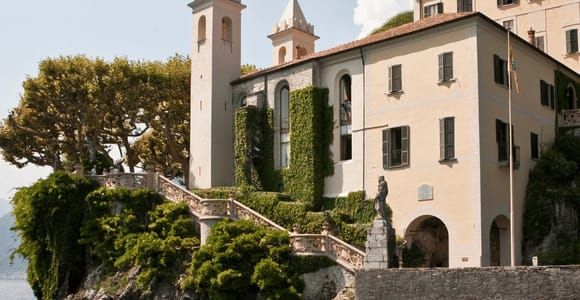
(209, 211)
(569, 118)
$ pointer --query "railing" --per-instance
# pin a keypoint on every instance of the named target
(176, 193)
(323, 244)
(569, 118)
(126, 180)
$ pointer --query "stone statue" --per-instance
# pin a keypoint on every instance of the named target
(381, 199)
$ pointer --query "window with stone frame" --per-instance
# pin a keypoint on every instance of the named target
(571, 41)
(345, 100)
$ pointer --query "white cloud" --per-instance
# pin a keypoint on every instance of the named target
(370, 14)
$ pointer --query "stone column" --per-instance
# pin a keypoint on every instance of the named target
(152, 177)
(205, 226)
(377, 253)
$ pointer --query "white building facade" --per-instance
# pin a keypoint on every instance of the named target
(424, 105)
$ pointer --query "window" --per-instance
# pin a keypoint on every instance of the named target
(572, 41)
(445, 66)
(540, 43)
(547, 94)
(345, 97)
(571, 100)
(282, 55)
(284, 126)
(464, 5)
(535, 146)
(300, 52)
(501, 134)
(432, 10)
(395, 79)
(509, 25)
(227, 29)
(396, 142)
(447, 138)
(506, 2)
(500, 70)
(201, 29)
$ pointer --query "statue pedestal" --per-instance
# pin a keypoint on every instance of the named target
(377, 253)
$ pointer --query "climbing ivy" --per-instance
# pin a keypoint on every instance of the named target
(552, 188)
(310, 159)
(48, 216)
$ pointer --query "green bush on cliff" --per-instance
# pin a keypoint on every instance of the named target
(48, 216)
(240, 261)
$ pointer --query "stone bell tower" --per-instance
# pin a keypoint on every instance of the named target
(293, 37)
(215, 62)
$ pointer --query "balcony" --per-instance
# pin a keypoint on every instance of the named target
(569, 118)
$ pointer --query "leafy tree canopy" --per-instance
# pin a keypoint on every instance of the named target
(397, 20)
(78, 110)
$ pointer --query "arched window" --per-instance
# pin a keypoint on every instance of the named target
(227, 29)
(284, 117)
(201, 29)
(571, 99)
(301, 52)
(345, 97)
(282, 55)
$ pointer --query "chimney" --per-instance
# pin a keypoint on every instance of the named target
(532, 36)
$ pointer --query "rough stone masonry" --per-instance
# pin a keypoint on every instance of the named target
(553, 282)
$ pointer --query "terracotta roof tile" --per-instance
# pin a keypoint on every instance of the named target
(375, 38)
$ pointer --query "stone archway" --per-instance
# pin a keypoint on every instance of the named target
(430, 234)
(499, 242)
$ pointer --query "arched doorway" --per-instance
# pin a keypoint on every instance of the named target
(499, 242)
(430, 235)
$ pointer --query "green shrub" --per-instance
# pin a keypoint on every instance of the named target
(241, 260)
(48, 216)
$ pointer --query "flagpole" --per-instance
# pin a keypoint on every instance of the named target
(511, 159)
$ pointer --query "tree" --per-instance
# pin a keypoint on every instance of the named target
(76, 109)
(395, 21)
(167, 143)
(247, 69)
(55, 117)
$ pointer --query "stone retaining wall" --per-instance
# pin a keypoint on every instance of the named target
(554, 282)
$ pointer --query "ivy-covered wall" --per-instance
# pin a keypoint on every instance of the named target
(310, 138)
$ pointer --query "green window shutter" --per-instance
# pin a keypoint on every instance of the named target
(426, 12)
(449, 138)
(440, 8)
(448, 63)
(497, 69)
(544, 93)
(442, 139)
(386, 149)
(441, 69)
(405, 145)
(552, 97)
(534, 145)
(574, 40)
(460, 7)
(390, 79)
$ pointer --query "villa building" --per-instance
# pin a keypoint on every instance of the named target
(551, 25)
(424, 104)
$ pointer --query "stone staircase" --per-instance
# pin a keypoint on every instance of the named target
(207, 212)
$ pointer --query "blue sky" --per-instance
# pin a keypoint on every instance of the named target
(148, 29)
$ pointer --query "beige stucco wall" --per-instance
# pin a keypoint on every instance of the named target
(456, 185)
(549, 18)
(528, 116)
(348, 175)
(215, 63)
